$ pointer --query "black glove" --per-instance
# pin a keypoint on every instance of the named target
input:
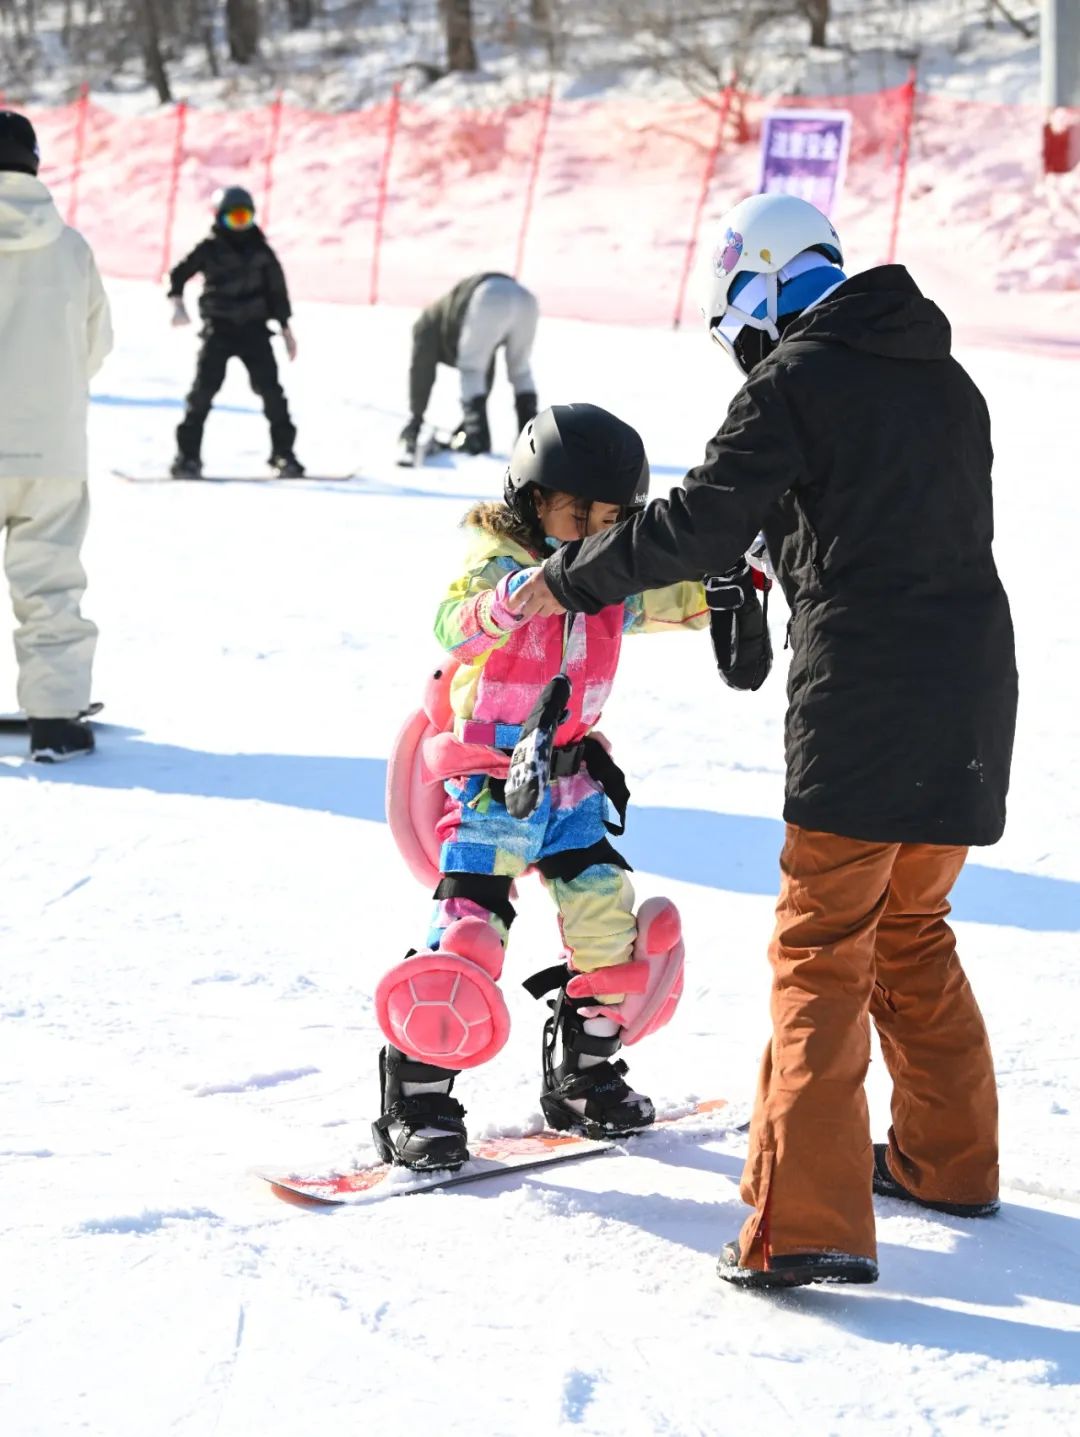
(525, 404)
(472, 434)
(738, 625)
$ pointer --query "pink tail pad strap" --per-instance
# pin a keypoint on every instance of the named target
(659, 953)
(442, 1006)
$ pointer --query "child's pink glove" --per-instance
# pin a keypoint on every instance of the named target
(503, 612)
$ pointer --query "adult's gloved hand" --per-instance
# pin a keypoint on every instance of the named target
(290, 342)
(738, 626)
(180, 315)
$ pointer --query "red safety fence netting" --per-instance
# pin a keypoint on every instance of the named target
(596, 204)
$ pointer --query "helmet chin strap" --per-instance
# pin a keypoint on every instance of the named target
(763, 288)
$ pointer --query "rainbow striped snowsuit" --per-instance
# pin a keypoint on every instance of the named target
(501, 677)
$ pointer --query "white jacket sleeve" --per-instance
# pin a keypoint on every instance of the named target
(99, 331)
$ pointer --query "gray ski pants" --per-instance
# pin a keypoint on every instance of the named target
(501, 311)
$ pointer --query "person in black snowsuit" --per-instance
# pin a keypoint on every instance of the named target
(862, 448)
(464, 329)
(243, 288)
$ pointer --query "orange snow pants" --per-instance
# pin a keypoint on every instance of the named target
(861, 934)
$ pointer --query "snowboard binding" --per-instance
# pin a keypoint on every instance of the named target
(422, 1130)
(583, 1089)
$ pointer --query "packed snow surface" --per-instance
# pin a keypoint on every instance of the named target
(195, 918)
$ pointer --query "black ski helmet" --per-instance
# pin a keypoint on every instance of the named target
(583, 450)
(234, 197)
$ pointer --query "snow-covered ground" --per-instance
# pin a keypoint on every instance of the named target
(194, 920)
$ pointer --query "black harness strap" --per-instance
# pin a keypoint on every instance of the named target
(488, 890)
(573, 862)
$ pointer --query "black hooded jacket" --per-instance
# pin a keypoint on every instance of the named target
(863, 450)
(243, 282)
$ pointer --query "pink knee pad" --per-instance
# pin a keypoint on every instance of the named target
(652, 980)
(442, 1006)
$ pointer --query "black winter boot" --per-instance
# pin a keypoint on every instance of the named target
(421, 1129)
(287, 466)
(184, 467)
(55, 740)
(525, 404)
(409, 442)
(472, 436)
(885, 1185)
(584, 1090)
(796, 1269)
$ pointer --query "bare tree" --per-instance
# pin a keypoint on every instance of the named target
(242, 29)
(148, 19)
(300, 13)
(457, 20)
(817, 12)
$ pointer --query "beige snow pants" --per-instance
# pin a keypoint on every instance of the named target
(45, 523)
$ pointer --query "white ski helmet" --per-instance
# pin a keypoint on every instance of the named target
(764, 235)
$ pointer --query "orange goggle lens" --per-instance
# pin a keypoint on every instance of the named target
(239, 219)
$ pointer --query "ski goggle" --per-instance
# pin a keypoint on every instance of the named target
(239, 218)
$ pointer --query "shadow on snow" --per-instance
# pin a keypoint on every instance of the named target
(737, 852)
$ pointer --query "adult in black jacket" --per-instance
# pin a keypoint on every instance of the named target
(465, 328)
(243, 289)
(863, 450)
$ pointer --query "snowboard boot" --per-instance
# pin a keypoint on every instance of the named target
(583, 1089)
(55, 740)
(885, 1185)
(472, 435)
(409, 443)
(525, 404)
(421, 1126)
(797, 1269)
(184, 467)
(287, 466)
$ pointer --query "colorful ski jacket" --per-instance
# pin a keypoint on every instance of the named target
(503, 670)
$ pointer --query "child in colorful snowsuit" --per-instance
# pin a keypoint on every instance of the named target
(575, 470)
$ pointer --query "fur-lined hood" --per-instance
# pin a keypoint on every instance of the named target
(500, 521)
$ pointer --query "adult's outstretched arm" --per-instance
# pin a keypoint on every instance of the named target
(705, 526)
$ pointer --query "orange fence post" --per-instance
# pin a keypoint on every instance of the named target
(534, 172)
(902, 165)
(268, 178)
(706, 180)
(174, 184)
(384, 176)
(80, 150)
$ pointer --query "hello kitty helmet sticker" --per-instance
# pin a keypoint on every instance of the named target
(762, 235)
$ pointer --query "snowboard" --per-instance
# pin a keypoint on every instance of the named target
(231, 478)
(491, 1158)
(17, 722)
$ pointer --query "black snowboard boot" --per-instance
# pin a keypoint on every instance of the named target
(472, 435)
(796, 1269)
(421, 1127)
(409, 442)
(55, 740)
(287, 466)
(583, 1089)
(885, 1185)
(525, 404)
(184, 468)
